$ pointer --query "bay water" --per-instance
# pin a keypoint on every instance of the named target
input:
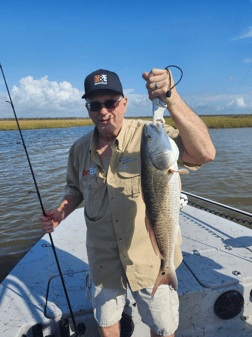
(228, 180)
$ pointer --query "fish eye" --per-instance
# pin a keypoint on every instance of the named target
(148, 137)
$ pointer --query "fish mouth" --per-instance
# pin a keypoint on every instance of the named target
(158, 127)
(150, 129)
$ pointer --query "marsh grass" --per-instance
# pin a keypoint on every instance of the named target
(43, 124)
(222, 122)
(212, 122)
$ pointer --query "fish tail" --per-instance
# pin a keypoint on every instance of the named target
(169, 278)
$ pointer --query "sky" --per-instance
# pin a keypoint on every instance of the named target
(47, 49)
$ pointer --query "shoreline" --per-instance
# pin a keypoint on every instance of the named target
(212, 122)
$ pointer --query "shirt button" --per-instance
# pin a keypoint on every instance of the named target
(112, 198)
(120, 239)
(116, 220)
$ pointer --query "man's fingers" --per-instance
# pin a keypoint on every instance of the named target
(43, 218)
(159, 85)
(48, 230)
(145, 76)
(156, 71)
(47, 227)
(158, 78)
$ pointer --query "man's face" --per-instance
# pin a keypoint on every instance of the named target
(108, 121)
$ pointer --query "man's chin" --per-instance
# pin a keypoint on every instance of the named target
(104, 128)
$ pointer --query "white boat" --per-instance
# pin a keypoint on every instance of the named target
(215, 282)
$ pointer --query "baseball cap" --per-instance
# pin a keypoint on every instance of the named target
(102, 80)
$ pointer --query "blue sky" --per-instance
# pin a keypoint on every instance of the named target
(47, 48)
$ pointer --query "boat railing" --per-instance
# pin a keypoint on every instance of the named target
(232, 209)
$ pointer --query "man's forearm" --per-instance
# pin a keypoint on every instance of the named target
(199, 148)
(68, 205)
(195, 137)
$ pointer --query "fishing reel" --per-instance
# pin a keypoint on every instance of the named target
(64, 330)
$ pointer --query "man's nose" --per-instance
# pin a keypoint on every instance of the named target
(103, 110)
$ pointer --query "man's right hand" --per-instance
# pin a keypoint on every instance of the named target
(51, 220)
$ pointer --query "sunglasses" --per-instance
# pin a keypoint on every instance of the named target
(97, 106)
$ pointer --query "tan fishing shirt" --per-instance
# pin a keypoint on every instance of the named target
(118, 244)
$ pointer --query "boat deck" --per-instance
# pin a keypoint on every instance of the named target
(217, 258)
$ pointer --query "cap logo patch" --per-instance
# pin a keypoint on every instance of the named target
(100, 79)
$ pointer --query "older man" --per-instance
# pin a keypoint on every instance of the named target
(104, 170)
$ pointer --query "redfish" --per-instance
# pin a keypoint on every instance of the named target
(161, 193)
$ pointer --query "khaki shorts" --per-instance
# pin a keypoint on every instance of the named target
(160, 312)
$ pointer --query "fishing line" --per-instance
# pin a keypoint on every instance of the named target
(41, 204)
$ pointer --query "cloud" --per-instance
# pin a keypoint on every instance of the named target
(138, 105)
(238, 103)
(248, 60)
(37, 97)
(44, 98)
(244, 35)
(216, 104)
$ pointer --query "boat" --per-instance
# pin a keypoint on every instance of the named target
(215, 281)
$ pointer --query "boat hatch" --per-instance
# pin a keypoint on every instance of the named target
(218, 252)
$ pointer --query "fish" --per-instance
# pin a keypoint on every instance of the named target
(161, 187)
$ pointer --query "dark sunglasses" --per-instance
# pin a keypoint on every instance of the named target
(96, 106)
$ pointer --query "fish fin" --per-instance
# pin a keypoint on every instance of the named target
(169, 278)
(152, 237)
(179, 238)
(183, 171)
(179, 182)
(180, 171)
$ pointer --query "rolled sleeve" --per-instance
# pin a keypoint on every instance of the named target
(72, 179)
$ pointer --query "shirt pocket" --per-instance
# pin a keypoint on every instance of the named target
(93, 195)
(131, 183)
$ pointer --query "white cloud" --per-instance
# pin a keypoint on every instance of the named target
(44, 98)
(37, 97)
(238, 103)
(244, 35)
(138, 105)
(217, 104)
(248, 60)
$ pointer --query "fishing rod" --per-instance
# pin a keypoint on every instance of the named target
(42, 207)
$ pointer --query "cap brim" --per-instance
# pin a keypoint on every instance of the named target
(100, 90)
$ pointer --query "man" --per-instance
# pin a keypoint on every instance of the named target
(104, 170)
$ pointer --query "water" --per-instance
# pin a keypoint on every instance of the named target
(227, 180)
